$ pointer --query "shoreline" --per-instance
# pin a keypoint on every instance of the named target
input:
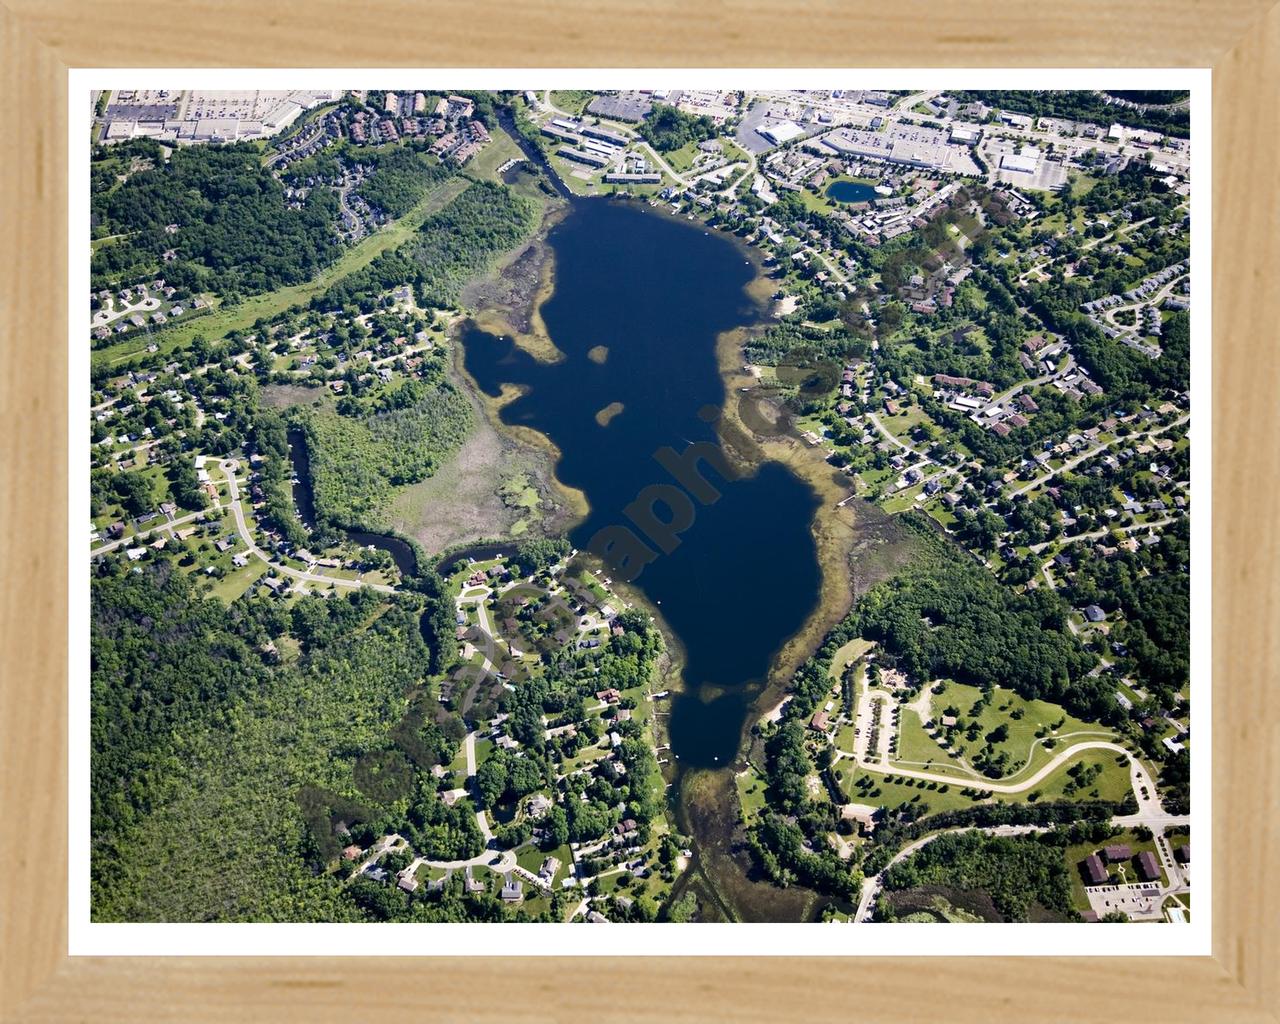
(702, 802)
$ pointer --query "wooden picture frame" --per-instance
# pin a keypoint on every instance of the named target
(1239, 39)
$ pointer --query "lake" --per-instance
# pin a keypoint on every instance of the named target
(851, 192)
(640, 299)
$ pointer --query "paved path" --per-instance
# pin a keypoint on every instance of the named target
(1098, 534)
(142, 535)
(889, 436)
(886, 768)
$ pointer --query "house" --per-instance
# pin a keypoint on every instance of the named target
(472, 884)
(512, 890)
(1094, 614)
(609, 696)
(1117, 852)
(407, 882)
(1183, 853)
(949, 721)
(820, 722)
(1148, 869)
(1093, 869)
(351, 852)
(549, 868)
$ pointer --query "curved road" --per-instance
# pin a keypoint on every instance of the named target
(1047, 769)
(228, 467)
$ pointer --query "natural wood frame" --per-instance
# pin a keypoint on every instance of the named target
(40, 39)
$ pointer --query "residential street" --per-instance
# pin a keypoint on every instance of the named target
(229, 467)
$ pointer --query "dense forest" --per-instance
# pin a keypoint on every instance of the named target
(1151, 589)
(463, 239)
(220, 211)
(1017, 872)
(400, 178)
(1079, 105)
(946, 617)
(229, 743)
(667, 128)
(453, 246)
(791, 342)
(202, 737)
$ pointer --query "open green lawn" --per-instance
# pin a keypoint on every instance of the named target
(902, 500)
(237, 581)
(682, 159)
(502, 147)
(901, 425)
(865, 787)
(847, 655)
(243, 315)
(530, 858)
(751, 790)
(1110, 783)
(1023, 720)
(571, 101)
(917, 749)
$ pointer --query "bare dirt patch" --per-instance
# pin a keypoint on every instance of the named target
(463, 501)
(281, 396)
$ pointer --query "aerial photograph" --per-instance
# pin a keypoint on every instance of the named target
(626, 506)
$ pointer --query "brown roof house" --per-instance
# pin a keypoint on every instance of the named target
(1094, 870)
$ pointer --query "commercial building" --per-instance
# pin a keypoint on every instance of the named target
(915, 147)
(1026, 160)
(781, 133)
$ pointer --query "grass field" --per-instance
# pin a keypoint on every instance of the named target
(1023, 719)
(751, 788)
(571, 101)
(1112, 783)
(873, 788)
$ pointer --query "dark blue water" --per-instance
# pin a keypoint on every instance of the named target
(742, 576)
(851, 192)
